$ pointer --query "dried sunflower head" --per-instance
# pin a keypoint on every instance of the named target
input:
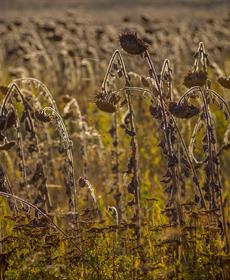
(107, 102)
(105, 106)
(131, 43)
(183, 111)
(195, 79)
(225, 82)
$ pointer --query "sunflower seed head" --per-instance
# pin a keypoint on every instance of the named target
(195, 79)
(132, 44)
(183, 111)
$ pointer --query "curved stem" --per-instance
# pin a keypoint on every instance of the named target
(161, 98)
(134, 144)
(46, 90)
(220, 98)
(132, 89)
(162, 105)
(188, 92)
(190, 162)
(117, 174)
(221, 205)
(134, 147)
(67, 143)
(167, 133)
(16, 198)
(166, 67)
(8, 95)
(116, 53)
(210, 158)
(197, 127)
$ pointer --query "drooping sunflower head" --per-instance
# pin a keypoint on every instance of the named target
(131, 43)
(183, 110)
(197, 78)
(107, 102)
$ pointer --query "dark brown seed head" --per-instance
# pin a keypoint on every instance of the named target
(107, 102)
(105, 106)
(195, 79)
(132, 44)
(225, 82)
(183, 111)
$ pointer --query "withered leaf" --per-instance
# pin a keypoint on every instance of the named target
(132, 186)
(130, 165)
(155, 111)
(130, 132)
(168, 189)
(166, 180)
(172, 160)
(7, 146)
(224, 82)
